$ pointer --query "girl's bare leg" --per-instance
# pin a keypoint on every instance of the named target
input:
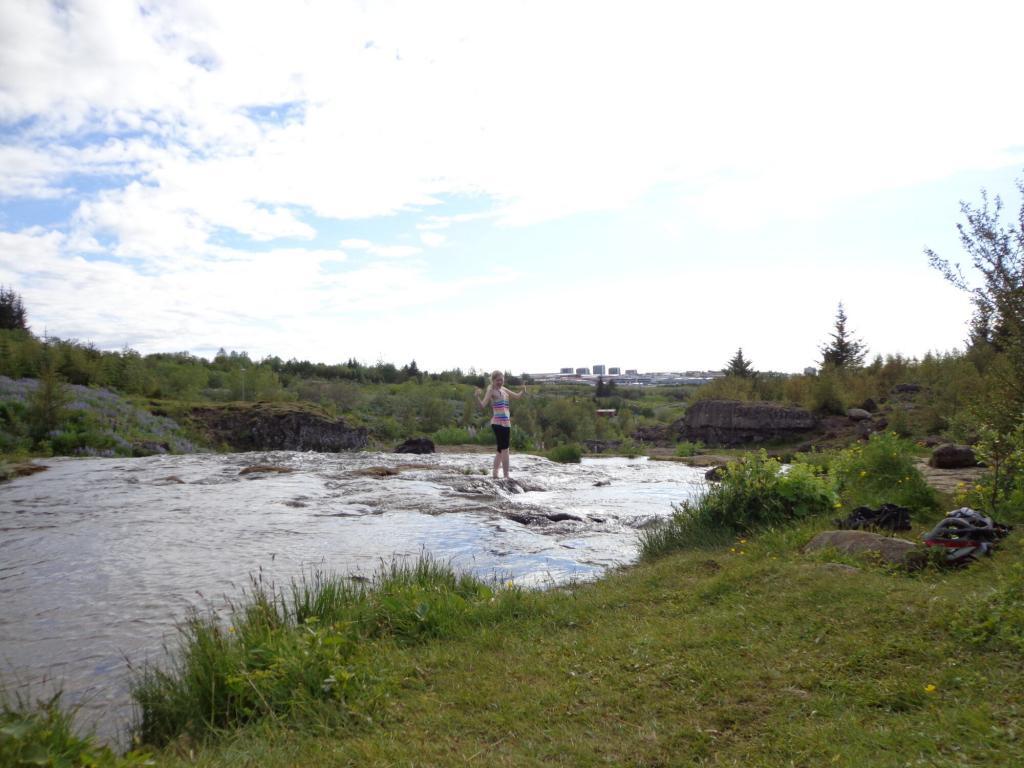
(497, 463)
(504, 462)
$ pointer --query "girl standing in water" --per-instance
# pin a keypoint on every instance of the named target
(501, 420)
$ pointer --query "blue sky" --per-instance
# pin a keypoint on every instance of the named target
(516, 185)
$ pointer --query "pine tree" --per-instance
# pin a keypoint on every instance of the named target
(46, 404)
(843, 351)
(12, 311)
(739, 366)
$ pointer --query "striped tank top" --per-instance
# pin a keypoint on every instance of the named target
(501, 414)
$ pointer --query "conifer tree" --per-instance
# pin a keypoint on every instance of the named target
(12, 311)
(739, 366)
(843, 351)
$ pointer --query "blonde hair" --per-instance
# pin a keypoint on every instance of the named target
(494, 375)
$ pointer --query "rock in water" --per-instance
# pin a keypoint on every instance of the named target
(416, 445)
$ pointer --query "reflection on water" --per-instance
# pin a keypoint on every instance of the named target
(99, 558)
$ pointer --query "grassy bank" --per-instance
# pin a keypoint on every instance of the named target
(727, 645)
(747, 654)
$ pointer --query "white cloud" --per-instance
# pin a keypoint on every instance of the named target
(384, 251)
(201, 124)
(432, 239)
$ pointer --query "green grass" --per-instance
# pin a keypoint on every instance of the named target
(42, 734)
(748, 654)
(314, 656)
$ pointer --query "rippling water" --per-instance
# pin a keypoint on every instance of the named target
(100, 558)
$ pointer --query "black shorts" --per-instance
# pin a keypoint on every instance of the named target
(503, 435)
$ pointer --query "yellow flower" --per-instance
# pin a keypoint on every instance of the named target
(743, 541)
(863, 473)
(930, 688)
(978, 488)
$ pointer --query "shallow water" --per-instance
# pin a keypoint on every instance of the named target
(100, 558)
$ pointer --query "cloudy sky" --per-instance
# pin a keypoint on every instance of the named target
(521, 185)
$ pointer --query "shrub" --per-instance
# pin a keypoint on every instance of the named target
(566, 454)
(754, 493)
(879, 471)
(630, 448)
(452, 436)
(687, 448)
(520, 439)
(825, 396)
(1000, 491)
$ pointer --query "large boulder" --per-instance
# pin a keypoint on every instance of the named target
(276, 427)
(733, 422)
(887, 548)
(951, 456)
(416, 445)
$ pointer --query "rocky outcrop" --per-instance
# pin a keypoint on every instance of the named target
(275, 427)
(732, 422)
(950, 456)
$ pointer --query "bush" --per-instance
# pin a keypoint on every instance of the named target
(686, 448)
(566, 454)
(452, 436)
(825, 396)
(880, 471)
(754, 493)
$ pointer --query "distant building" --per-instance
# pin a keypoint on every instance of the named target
(613, 371)
(599, 370)
(631, 372)
(566, 372)
(582, 371)
(809, 371)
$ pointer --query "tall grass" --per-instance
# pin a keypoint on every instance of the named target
(881, 471)
(306, 654)
(43, 734)
(753, 494)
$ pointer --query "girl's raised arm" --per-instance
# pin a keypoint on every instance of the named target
(486, 398)
(518, 394)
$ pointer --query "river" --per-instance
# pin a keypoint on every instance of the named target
(101, 558)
